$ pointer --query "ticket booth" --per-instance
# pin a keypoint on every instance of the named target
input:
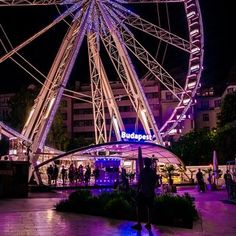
(108, 170)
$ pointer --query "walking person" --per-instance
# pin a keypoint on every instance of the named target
(71, 173)
(146, 193)
(96, 173)
(55, 174)
(200, 181)
(124, 179)
(49, 174)
(228, 181)
(87, 175)
(81, 173)
(63, 174)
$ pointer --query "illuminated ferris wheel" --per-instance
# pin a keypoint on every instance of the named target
(120, 31)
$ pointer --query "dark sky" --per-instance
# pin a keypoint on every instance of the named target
(219, 21)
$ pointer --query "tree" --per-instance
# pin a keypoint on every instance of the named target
(228, 110)
(195, 148)
(57, 136)
(169, 170)
(79, 142)
(226, 132)
(226, 142)
(20, 105)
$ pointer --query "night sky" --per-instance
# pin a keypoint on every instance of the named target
(220, 48)
(219, 21)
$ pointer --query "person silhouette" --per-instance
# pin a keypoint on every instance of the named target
(228, 181)
(200, 181)
(146, 193)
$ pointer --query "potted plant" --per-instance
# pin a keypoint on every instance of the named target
(169, 170)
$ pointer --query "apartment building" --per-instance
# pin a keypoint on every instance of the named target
(4, 106)
(208, 107)
(79, 114)
(79, 117)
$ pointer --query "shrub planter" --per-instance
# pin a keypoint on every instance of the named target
(168, 209)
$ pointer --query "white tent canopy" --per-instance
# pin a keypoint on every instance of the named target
(127, 150)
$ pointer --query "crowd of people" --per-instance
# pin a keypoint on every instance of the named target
(82, 175)
(85, 175)
(70, 175)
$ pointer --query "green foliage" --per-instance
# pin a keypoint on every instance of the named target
(20, 105)
(226, 143)
(228, 110)
(207, 171)
(114, 206)
(79, 142)
(226, 132)
(175, 210)
(168, 171)
(57, 136)
(80, 196)
(195, 148)
(168, 209)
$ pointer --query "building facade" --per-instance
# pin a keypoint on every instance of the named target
(78, 114)
(208, 107)
(4, 106)
(79, 118)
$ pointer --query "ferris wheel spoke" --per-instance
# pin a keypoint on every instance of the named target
(150, 1)
(139, 23)
(96, 74)
(32, 38)
(97, 65)
(117, 63)
(43, 112)
(95, 59)
(138, 98)
(134, 93)
(29, 2)
(67, 92)
(153, 66)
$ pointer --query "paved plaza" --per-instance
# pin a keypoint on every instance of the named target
(36, 215)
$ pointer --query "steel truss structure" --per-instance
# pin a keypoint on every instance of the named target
(109, 24)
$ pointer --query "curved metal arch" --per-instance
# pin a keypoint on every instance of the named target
(194, 19)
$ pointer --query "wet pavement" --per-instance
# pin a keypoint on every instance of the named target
(36, 215)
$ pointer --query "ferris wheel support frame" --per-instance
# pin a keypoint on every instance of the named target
(105, 88)
(96, 75)
(46, 104)
(117, 40)
(140, 102)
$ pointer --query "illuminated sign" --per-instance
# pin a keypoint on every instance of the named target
(138, 137)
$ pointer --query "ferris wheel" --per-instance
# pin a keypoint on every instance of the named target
(139, 46)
